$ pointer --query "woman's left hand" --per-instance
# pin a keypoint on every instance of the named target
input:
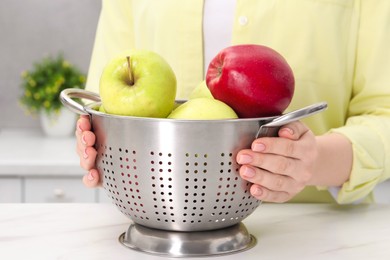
(280, 167)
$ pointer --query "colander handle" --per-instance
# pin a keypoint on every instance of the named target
(272, 128)
(66, 96)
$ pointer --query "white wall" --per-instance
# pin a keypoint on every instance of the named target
(31, 29)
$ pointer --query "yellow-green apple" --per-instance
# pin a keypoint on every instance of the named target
(101, 109)
(138, 83)
(254, 80)
(201, 90)
(204, 108)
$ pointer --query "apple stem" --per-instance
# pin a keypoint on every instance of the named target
(131, 78)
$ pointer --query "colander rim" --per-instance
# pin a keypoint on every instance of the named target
(91, 109)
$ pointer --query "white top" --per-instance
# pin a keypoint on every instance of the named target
(26, 152)
(218, 18)
(283, 231)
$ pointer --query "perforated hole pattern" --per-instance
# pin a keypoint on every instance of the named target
(188, 191)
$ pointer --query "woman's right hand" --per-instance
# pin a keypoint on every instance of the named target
(86, 151)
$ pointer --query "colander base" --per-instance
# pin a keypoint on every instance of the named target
(228, 240)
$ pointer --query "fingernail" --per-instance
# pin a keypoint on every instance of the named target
(288, 130)
(83, 140)
(249, 172)
(258, 147)
(85, 155)
(244, 159)
(79, 128)
(90, 177)
(257, 191)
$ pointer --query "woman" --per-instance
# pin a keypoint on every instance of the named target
(339, 54)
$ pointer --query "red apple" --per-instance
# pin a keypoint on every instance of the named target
(254, 80)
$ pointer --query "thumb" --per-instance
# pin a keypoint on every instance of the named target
(292, 131)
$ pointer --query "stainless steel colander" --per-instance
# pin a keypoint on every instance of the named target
(176, 175)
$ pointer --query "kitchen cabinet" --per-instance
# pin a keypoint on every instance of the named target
(56, 190)
(36, 168)
(102, 197)
(10, 189)
(43, 189)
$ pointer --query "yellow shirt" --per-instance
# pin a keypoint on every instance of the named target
(338, 50)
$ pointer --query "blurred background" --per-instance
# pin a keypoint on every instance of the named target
(30, 30)
(34, 166)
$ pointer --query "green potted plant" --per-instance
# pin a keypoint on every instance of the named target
(42, 86)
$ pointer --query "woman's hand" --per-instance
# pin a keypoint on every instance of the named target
(280, 167)
(86, 151)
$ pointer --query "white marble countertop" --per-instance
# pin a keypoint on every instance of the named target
(28, 152)
(283, 231)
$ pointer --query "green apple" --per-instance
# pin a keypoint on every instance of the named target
(138, 83)
(101, 109)
(201, 91)
(204, 108)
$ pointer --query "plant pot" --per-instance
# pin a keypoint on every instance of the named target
(61, 124)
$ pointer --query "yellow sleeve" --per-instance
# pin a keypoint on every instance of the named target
(368, 123)
(113, 35)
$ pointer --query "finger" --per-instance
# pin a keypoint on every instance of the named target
(273, 163)
(285, 146)
(88, 157)
(83, 123)
(244, 156)
(280, 146)
(92, 179)
(263, 194)
(271, 181)
(293, 130)
(87, 138)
